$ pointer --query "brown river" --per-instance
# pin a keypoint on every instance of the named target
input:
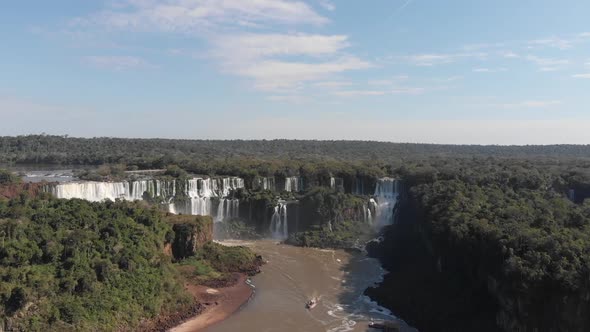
(292, 276)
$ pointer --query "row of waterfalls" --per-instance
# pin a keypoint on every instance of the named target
(291, 184)
(194, 196)
(215, 197)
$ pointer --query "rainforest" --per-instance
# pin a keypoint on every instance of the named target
(496, 241)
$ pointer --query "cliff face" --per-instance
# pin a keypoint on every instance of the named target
(190, 234)
(13, 190)
(416, 289)
(435, 286)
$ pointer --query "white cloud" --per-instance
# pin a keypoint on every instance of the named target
(482, 46)
(239, 48)
(533, 104)
(277, 74)
(394, 80)
(332, 84)
(189, 15)
(274, 61)
(395, 91)
(117, 62)
(548, 64)
(585, 75)
(327, 5)
(430, 59)
(291, 99)
(562, 43)
(356, 93)
(509, 54)
(284, 61)
(381, 82)
(553, 42)
(489, 70)
(433, 59)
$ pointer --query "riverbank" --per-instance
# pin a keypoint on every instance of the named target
(219, 303)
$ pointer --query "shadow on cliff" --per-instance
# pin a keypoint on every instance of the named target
(415, 289)
(394, 249)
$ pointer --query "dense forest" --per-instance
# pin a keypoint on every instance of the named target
(486, 238)
(157, 153)
(73, 265)
(488, 246)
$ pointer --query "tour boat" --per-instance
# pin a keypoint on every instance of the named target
(386, 326)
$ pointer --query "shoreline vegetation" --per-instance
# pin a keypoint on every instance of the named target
(219, 303)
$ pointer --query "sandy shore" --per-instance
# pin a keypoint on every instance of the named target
(219, 302)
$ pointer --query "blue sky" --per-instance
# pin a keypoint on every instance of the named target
(475, 72)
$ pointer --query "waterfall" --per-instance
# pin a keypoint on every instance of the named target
(385, 199)
(337, 183)
(227, 209)
(571, 194)
(198, 192)
(264, 183)
(91, 191)
(279, 222)
(369, 211)
(293, 184)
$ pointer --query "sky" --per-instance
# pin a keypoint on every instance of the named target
(455, 71)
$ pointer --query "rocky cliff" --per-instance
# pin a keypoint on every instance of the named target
(190, 234)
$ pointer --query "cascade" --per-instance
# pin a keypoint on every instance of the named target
(99, 191)
(227, 209)
(264, 183)
(571, 194)
(279, 222)
(385, 200)
(91, 191)
(369, 211)
(293, 184)
(199, 192)
(337, 183)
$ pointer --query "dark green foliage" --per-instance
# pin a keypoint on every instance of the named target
(490, 245)
(228, 259)
(215, 265)
(343, 235)
(190, 234)
(7, 177)
(157, 153)
(114, 172)
(235, 229)
(331, 207)
(77, 265)
(175, 171)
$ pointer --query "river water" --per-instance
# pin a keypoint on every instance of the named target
(292, 276)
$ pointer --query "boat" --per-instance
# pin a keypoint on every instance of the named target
(311, 303)
(387, 326)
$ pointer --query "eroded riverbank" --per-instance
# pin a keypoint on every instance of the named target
(219, 304)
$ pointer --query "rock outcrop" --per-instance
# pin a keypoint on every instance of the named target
(190, 234)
